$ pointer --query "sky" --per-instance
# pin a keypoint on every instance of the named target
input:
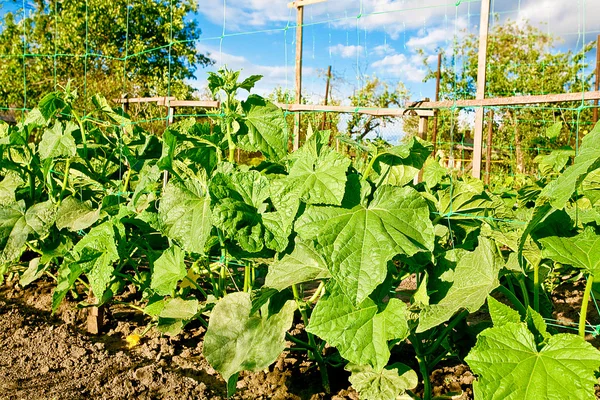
(367, 38)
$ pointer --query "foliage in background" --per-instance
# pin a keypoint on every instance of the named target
(133, 48)
(521, 60)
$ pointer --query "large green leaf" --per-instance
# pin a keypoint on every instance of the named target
(400, 164)
(559, 191)
(510, 365)
(237, 340)
(361, 333)
(168, 269)
(75, 215)
(463, 200)
(316, 179)
(266, 127)
(358, 243)
(185, 216)
(58, 142)
(581, 251)
(385, 384)
(304, 264)
(475, 276)
(8, 186)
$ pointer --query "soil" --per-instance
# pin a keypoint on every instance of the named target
(44, 356)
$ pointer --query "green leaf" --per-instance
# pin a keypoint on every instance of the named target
(316, 179)
(239, 341)
(58, 142)
(40, 217)
(400, 164)
(502, 314)
(185, 216)
(463, 200)
(361, 333)
(65, 279)
(11, 182)
(554, 131)
(303, 265)
(510, 366)
(358, 243)
(433, 173)
(266, 127)
(559, 191)
(168, 269)
(386, 384)
(475, 276)
(14, 232)
(76, 215)
(249, 82)
(95, 254)
(179, 308)
(51, 104)
(581, 251)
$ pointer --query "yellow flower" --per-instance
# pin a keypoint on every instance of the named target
(133, 340)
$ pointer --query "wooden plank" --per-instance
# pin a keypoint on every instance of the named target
(379, 112)
(298, 117)
(512, 100)
(484, 22)
(160, 100)
(302, 3)
(326, 96)
(438, 78)
(195, 103)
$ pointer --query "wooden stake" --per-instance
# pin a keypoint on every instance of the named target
(297, 119)
(95, 317)
(326, 96)
(438, 76)
(488, 158)
(481, 77)
(597, 83)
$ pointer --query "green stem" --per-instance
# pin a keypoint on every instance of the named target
(513, 299)
(584, 305)
(83, 137)
(126, 181)
(315, 354)
(32, 185)
(195, 284)
(369, 167)
(247, 285)
(422, 367)
(536, 287)
(431, 349)
(524, 291)
(65, 181)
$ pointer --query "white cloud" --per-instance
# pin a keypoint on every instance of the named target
(350, 51)
(273, 75)
(407, 68)
(383, 50)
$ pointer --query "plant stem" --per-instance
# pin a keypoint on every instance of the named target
(514, 300)
(431, 349)
(536, 287)
(422, 367)
(584, 305)
(65, 180)
(369, 167)
(315, 354)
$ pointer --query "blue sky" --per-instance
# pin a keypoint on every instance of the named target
(366, 38)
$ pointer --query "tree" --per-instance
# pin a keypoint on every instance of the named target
(112, 47)
(521, 60)
(374, 93)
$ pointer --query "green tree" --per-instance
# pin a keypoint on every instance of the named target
(521, 60)
(113, 47)
(374, 93)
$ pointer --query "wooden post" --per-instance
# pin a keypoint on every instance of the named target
(597, 83)
(95, 317)
(437, 98)
(170, 113)
(488, 158)
(326, 96)
(423, 124)
(299, 5)
(481, 77)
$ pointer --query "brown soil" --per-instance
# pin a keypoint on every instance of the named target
(52, 357)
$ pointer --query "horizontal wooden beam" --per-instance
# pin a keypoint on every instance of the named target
(302, 3)
(195, 103)
(513, 100)
(380, 112)
(161, 101)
